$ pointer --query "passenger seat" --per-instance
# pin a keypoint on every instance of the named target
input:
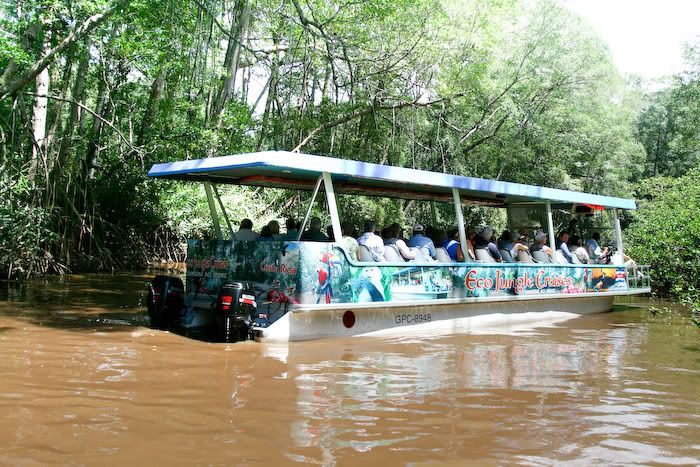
(524, 257)
(507, 257)
(442, 256)
(541, 257)
(391, 254)
(484, 256)
(364, 255)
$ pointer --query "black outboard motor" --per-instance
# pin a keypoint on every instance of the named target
(235, 309)
(166, 299)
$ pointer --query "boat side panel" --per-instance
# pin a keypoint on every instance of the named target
(328, 277)
(437, 317)
(289, 274)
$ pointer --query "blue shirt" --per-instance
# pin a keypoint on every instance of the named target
(510, 246)
(451, 248)
(422, 242)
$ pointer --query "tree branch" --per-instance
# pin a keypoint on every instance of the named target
(107, 122)
(10, 88)
(369, 109)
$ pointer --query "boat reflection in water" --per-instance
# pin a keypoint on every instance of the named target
(366, 394)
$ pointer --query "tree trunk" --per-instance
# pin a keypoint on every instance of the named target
(58, 107)
(77, 95)
(39, 112)
(239, 29)
(93, 147)
(154, 97)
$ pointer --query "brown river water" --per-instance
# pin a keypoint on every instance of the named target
(83, 380)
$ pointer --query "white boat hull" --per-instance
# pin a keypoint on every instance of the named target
(324, 321)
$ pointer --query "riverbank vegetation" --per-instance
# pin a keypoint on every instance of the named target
(93, 92)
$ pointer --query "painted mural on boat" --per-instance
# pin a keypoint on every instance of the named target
(288, 273)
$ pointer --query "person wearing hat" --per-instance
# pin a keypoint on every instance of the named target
(420, 241)
(539, 244)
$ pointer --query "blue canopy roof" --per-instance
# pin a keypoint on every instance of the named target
(283, 169)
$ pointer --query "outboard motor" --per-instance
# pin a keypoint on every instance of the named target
(235, 308)
(165, 301)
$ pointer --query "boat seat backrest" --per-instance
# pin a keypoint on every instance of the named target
(421, 256)
(392, 255)
(484, 256)
(540, 257)
(442, 256)
(364, 255)
(561, 259)
(524, 257)
(507, 257)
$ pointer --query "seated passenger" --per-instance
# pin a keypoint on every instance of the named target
(563, 247)
(394, 238)
(578, 250)
(453, 247)
(372, 241)
(275, 230)
(265, 234)
(471, 235)
(313, 233)
(420, 241)
(597, 254)
(484, 240)
(349, 241)
(440, 238)
(512, 242)
(292, 230)
(245, 231)
(539, 246)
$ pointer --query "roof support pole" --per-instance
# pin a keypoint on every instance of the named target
(311, 205)
(618, 234)
(460, 222)
(332, 206)
(550, 229)
(212, 210)
(223, 210)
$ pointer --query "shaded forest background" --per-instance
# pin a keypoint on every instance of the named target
(92, 93)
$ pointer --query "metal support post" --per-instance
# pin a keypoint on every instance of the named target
(460, 222)
(550, 228)
(332, 207)
(311, 205)
(212, 210)
(223, 211)
(618, 235)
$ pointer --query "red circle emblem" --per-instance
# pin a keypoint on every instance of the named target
(349, 319)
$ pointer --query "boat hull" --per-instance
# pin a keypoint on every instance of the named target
(324, 321)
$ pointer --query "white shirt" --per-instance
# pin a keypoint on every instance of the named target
(374, 244)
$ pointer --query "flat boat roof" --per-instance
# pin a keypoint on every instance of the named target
(298, 171)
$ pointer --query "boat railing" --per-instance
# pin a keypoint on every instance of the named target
(638, 276)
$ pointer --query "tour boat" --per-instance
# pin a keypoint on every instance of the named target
(300, 290)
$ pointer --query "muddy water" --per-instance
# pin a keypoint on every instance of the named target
(84, 381)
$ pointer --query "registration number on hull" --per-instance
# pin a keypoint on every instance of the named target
(413, 319)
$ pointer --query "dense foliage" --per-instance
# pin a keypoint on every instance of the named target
(93, 92)
(666, 235)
